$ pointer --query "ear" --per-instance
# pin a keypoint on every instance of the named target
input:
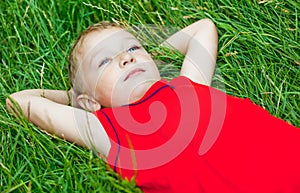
(88, 103)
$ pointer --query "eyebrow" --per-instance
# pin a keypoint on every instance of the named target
(133, 38)
(100, 50)
(91, 57)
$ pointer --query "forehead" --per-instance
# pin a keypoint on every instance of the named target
(106, 38)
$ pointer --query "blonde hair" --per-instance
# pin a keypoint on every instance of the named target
(74, 57)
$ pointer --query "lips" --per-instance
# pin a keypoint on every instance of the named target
(133, 73)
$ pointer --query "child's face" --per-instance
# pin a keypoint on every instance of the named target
(116, 68)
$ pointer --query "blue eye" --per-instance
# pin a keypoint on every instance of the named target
(133, 48)
(105, 61)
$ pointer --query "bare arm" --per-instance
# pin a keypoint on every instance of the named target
(199, 43)
(48, 109)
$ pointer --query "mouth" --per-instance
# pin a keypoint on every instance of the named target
(134, 72)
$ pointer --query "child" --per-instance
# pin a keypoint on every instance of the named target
(177, 136)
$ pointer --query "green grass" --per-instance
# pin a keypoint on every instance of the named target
(258, 58)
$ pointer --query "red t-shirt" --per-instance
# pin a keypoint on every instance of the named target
(186, 137)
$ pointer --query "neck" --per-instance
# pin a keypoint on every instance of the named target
(141, 90)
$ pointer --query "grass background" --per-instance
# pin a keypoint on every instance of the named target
(258, 58)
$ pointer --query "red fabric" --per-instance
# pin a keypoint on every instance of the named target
(186, 137)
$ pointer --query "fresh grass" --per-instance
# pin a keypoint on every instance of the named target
(258, 58)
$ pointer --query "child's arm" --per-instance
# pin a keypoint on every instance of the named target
(48, 109)
(199, 43)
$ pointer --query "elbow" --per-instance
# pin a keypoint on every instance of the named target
(208, 22)
(10, 101)
(209, 27)
(13, 103)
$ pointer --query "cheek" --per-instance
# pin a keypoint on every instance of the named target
(105, 85)
(103, 93)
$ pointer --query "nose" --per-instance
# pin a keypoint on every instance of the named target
(126, 59)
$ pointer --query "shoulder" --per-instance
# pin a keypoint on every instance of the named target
(185, 80)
